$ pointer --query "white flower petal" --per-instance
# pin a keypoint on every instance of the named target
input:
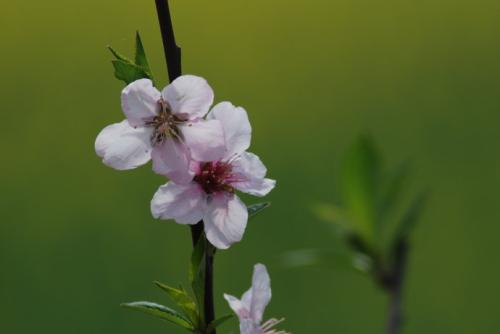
(237, 129)
(261, 292)
(140, 101)
(225, 220)
(184, 203)
(248, 326)
(123, 147)
(189, 96)
(249, 176)
(241, 310)
(171, 159)
(205, 139)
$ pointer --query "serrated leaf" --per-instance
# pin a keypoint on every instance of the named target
(183, 301)
(217, 322)
(118, 55)
(128, 72)
(140, 55)
(162, 312)
(254, 209)
(360, 174)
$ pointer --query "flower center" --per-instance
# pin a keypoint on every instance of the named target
(165, 124)
(214, 177)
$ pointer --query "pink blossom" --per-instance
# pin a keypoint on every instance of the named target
(250, 309)
(207, 190)
(166, 126)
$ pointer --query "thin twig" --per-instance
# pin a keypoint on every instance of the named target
(394, 287)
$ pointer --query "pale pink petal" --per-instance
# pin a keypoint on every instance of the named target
(248, 326)
(205, 139)
(184, 203)
(246, 299)
(140, 101)
(189, 96)
(241, 310)
(171, 159)
(225, 220)
(249, 173)
(237, 129)
(261, 292)
(123, 147)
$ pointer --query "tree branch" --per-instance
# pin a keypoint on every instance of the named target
(174, 69)
(172, 51)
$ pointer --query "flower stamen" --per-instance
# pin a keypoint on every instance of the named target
(165, 124)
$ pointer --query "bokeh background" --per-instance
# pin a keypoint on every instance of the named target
(423, 77)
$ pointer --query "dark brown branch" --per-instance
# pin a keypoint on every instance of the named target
(172, 51)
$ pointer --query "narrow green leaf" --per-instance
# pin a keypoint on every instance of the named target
(183, 301)
(254, 209)
(335, 260)
(411, 217)
(140, 55)
(162, 312)
(128, 72)
(360, 174)
(392, 191)
(119, 56)
(217, 322)
(332, 214)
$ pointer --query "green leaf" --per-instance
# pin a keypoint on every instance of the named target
(128, 72)
(411, 216)
(183, 301)
(119, 56)
(332, 214)
(140, 55)
(392, 190)
(254, 209)
(197, 273)
(335, 260)
(161, 312)
(217, 322)
(360, 174)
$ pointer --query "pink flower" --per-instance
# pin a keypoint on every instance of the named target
(250, 309)
(167, 127)
(209, 193)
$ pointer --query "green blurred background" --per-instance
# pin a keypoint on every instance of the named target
(77, 238)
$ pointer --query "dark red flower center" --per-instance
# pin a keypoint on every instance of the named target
(214, 177)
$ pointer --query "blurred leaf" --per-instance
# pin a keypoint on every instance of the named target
(330, 259)
(128, 72)
(197, 274)
(183, 301)
(411, 217)
(392, 190)
(217, 322)
(161, 312)
(254, 209)
(360, 173)
(331, 214)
